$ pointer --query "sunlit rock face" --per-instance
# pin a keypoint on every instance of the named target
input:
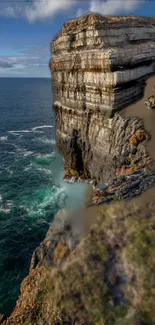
(100, 65)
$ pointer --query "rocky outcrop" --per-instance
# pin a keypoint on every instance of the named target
(63, 236)
(150, 103)
(99, 65)
(123, 186)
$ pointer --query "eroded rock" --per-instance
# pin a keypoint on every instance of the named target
(99, 65)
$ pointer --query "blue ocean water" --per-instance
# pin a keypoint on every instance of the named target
(31, 185)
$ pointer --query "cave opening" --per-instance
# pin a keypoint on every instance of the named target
(77, 145)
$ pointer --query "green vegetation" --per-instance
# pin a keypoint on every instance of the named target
(77, 290)
(141, 251)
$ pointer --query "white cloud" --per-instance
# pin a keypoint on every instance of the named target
(31, 61)
(46, 8)
(111, 7)
(26, 65)
(12, 9)
(80, 12)
(37, 9)
(22, 61)
(9, 12)
(41, 9)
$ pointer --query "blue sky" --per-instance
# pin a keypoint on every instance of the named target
(28, 26)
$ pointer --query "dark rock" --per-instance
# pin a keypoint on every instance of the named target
(133, 185)
(37, 256)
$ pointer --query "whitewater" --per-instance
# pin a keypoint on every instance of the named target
(32, 188)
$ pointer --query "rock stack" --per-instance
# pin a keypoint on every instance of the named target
(99, 65)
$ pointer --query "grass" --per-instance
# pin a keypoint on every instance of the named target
(77, 290)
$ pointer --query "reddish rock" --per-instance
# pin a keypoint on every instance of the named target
(61, 251)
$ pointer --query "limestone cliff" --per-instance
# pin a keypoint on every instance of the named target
(104, 276)
(99, 65)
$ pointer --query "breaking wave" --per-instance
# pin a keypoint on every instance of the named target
(47, 141)
(31, 179)
(42, 127)
(3, 138)
(16, 132)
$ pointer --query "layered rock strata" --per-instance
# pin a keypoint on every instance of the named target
(99, 65)
(102, 278)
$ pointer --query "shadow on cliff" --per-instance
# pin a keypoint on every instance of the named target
(77, 151)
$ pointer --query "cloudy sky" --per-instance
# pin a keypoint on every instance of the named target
(28, 26)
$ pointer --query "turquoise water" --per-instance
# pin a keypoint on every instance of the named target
(31, 178)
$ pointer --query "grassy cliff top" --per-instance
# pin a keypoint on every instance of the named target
(108, 279)
(97, 20)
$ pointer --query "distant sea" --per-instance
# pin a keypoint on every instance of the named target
(32, 189)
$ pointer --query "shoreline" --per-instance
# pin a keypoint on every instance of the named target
(92, 265)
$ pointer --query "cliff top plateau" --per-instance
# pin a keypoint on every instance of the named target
(108, 279)
(94, 19)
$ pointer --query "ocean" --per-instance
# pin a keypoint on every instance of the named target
(32, 189)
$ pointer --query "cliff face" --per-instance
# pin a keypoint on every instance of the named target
(107, 276)
(99, 65)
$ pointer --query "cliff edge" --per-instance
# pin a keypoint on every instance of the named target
(108, 279)
(103, 275)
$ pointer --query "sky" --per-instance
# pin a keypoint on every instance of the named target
(28, 26)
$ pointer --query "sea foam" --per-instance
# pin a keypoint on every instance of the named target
(42, 127)
(47, 141)
(4, 138)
